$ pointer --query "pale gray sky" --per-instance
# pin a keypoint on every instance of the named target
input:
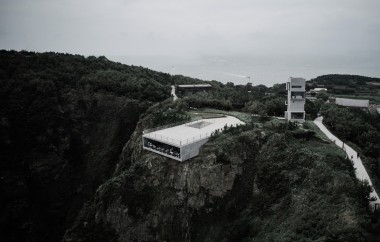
(274, 30)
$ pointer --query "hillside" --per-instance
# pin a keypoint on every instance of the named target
(64, 121)
(350, 86)
(72, 166)
(275, 183)
(352, 83)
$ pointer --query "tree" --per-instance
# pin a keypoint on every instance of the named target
(323, 95)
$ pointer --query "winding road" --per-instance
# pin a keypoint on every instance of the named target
(360, 170)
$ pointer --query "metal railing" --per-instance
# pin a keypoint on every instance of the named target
(177, 142)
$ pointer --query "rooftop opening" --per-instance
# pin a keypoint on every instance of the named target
(200, 124)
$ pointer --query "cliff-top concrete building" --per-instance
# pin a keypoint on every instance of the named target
(296, 100)
(183, 142)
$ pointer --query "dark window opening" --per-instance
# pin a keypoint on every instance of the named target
(298, 95)
(296, 86)
(162, 147)
(297, 116)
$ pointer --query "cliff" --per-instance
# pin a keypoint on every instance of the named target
(248, 184)
(64, 121)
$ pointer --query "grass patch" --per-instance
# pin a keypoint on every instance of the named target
(331, 148)
(318, 133)
(212, 115)
(245, 117)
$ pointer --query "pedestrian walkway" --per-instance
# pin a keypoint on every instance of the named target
(360, 171)
(173, 93)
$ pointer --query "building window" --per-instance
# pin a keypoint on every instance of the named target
(162, 147)
(296, 86)
(298, 95)
(297, 115)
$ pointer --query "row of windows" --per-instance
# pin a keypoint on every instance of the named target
(293, 86)
(162, 147)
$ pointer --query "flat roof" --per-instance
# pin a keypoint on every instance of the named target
(352, 102)
(195, 85)
(193, 131)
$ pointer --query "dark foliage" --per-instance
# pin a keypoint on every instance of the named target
(64, 120)
(345, 84)
(359, 127)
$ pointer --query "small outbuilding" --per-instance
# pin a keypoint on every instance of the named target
(193, 88)
(347, 102)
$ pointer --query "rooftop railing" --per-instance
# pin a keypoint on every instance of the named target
(177, 142)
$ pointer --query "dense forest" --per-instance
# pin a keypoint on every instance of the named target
(70, 136)
(64, 120)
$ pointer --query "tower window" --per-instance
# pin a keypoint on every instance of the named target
(297, 115)
(298, 95)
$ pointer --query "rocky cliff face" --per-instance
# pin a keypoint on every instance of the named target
(244, 185)
(43, 188)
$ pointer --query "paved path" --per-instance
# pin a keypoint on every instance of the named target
(360, 171)
(173, 93)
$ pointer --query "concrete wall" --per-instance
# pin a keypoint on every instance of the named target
(191, 150)
(295, 105)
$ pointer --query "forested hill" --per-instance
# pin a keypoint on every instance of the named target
(95, 73)
(64, 120)
(72, 167)
(345, 83)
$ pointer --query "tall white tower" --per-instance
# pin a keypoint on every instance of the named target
(296, 100)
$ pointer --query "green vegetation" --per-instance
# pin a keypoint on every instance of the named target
(253, 99)
(362, 128)
(275, 183)
(72, 163)
(64, 120)
(349, 86)
(318, 133)
(245, 117)
(299, 188)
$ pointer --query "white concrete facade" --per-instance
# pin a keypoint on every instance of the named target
(183, 142)
(296, 100)
(347, 102)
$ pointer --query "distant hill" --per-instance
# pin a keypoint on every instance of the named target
(346, 83)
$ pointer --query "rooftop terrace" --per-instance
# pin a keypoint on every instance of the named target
(193, 131)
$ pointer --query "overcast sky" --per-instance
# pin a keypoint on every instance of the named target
(339, 30)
